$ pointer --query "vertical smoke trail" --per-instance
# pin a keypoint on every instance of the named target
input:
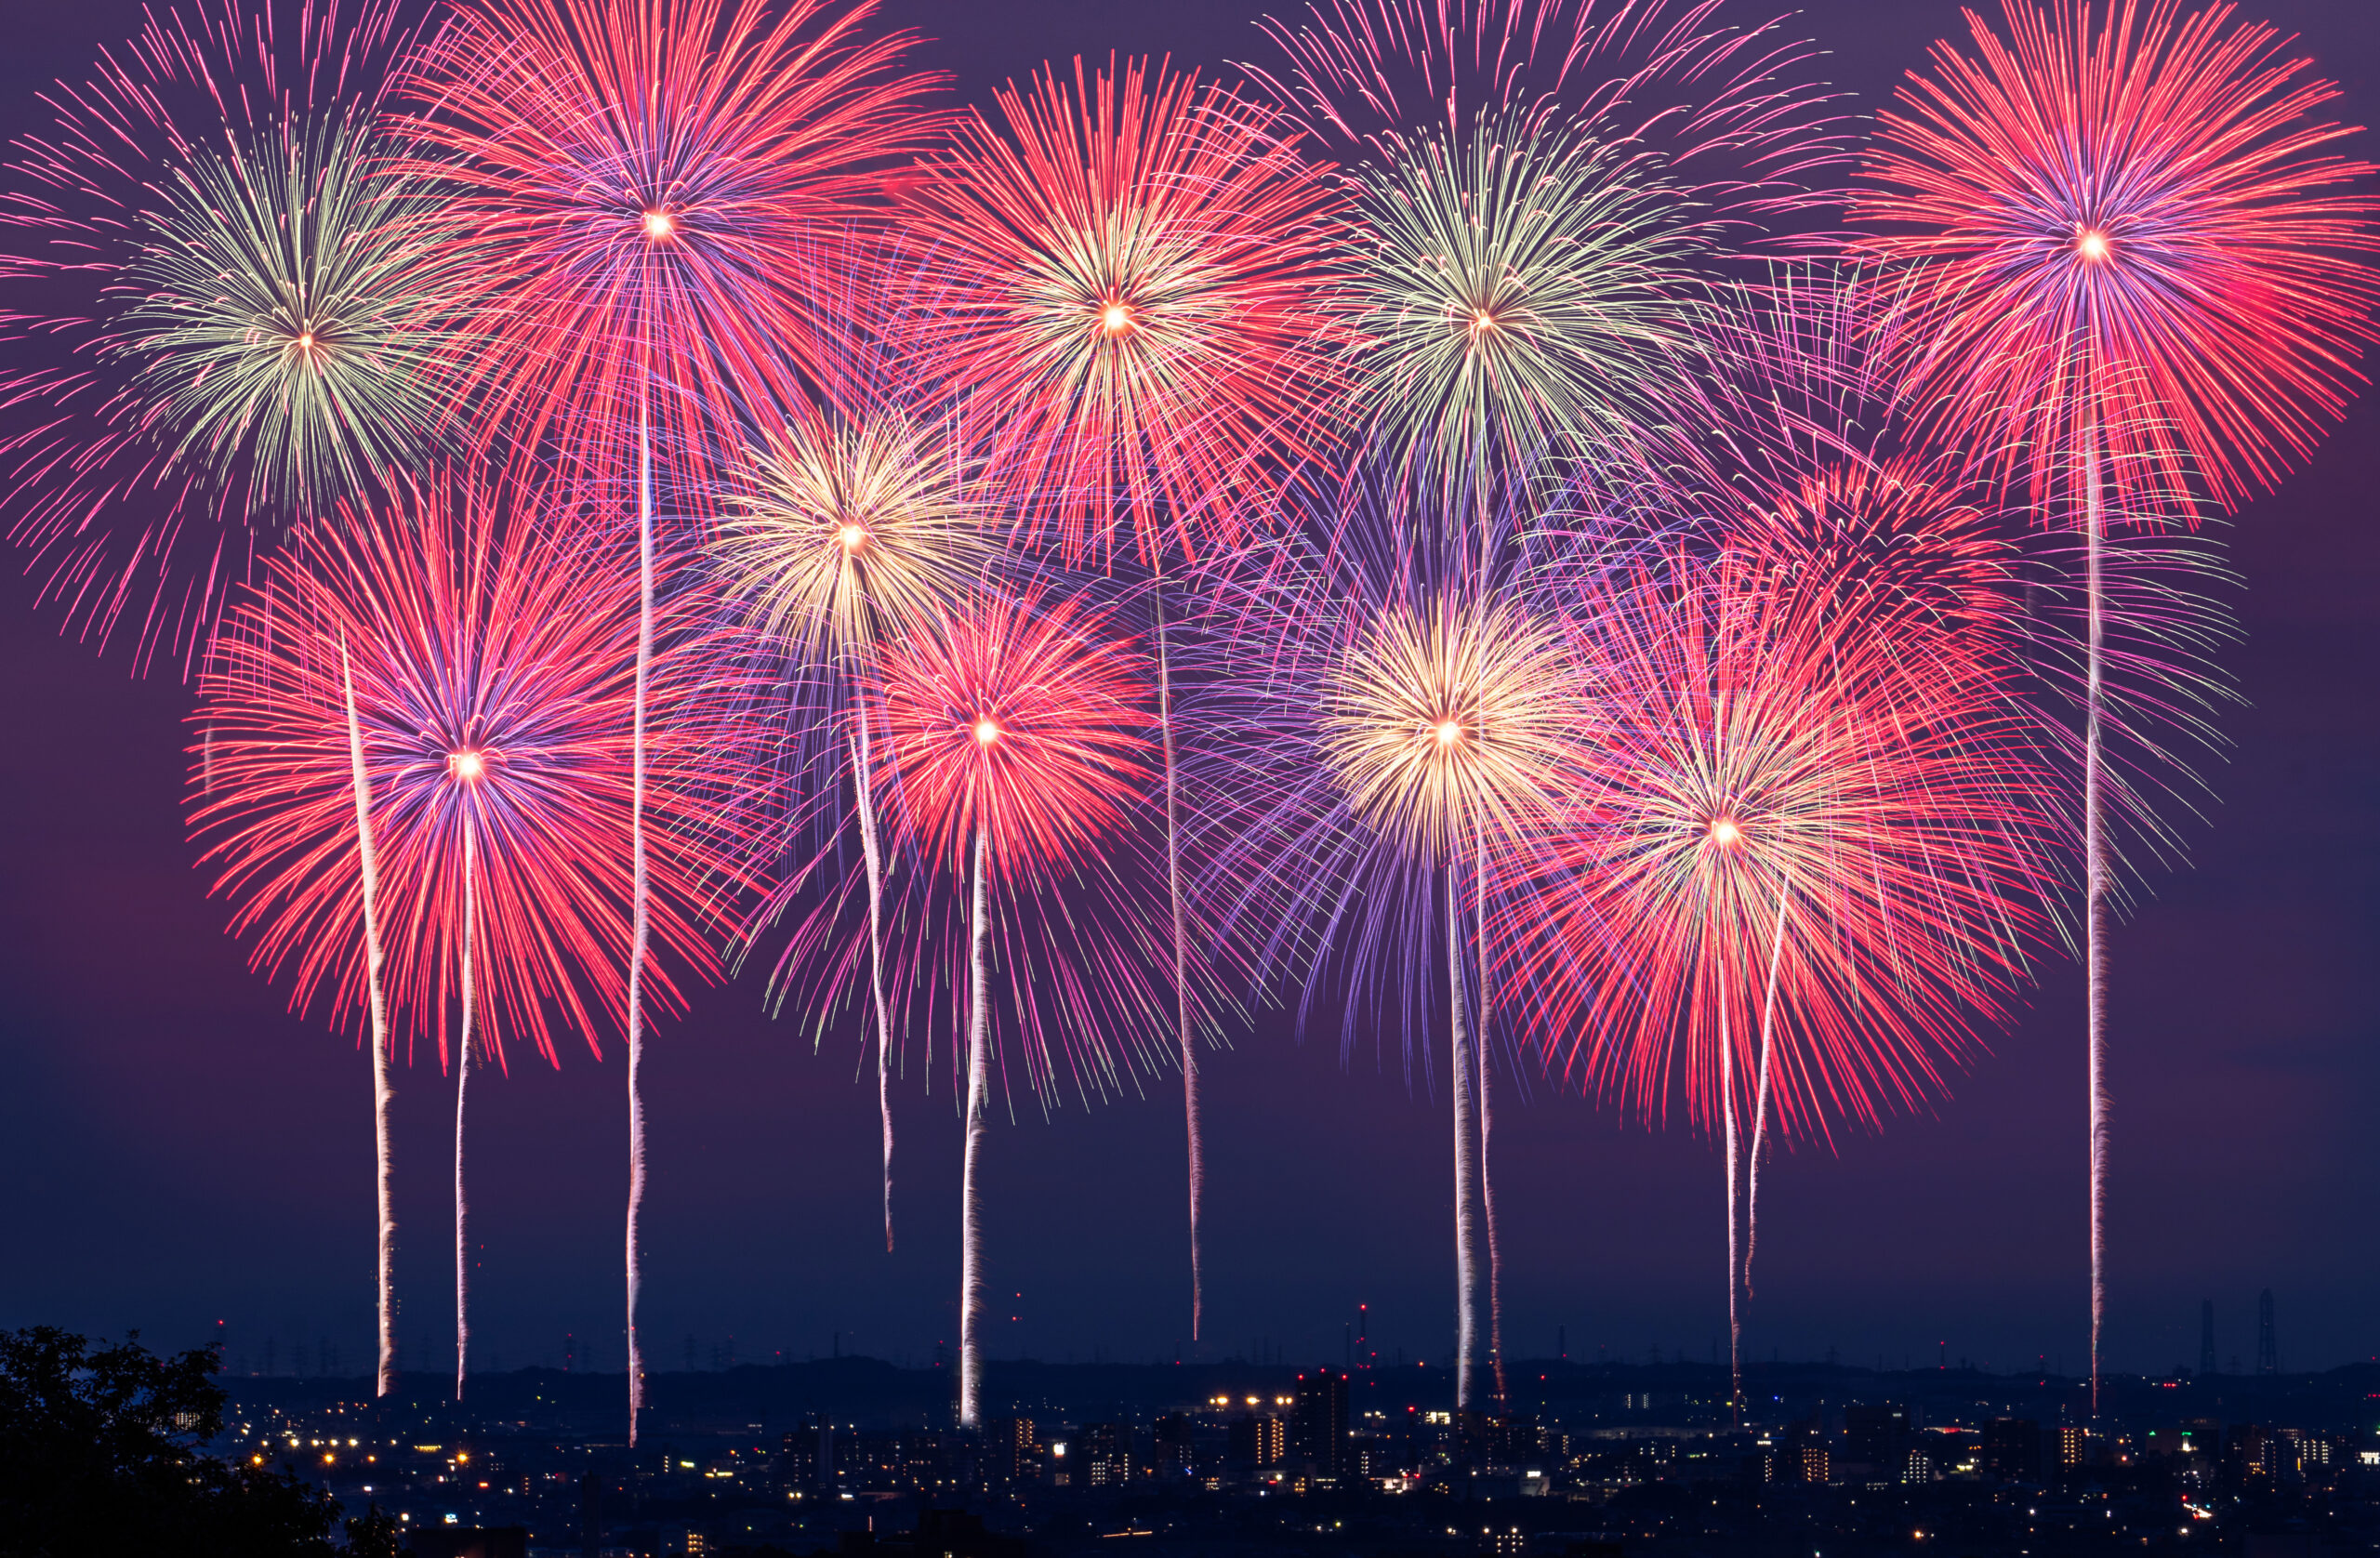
(2094, 936)
(381, 1092)
(1760, 1105)
(638, 928)
(1466, 1156)
(1181, 960)
(875, 948)
(979, 1081)
(1487, 1140)
(462, 1088)
(1735, 1266)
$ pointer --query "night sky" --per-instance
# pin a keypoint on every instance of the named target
(176, 1149)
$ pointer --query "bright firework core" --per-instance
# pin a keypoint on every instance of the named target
(465, 765)
(1448, 732)
(2092, 243)
(987, 730)
(1725, 833)
(853, 536)
(659, 224)
(1114, 318)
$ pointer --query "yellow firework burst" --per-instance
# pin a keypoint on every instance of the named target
(1449, 720)
(836, 534)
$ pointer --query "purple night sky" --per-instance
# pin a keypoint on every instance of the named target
(177, 1149)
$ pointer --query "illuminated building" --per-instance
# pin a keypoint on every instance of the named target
(1259, 1440)
(1320, 1420)
(1106, 1455)
(2012, 1449)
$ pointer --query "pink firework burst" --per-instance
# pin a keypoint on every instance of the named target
(416, 781)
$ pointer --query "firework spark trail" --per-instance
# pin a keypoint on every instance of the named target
(639, 902)
(1387, 713)
(1189, 1047)
(1747, 729)
(2095, 884)
(468, 683)
(633, 178)
(875, 859)
(1466, 1152)
(252, 328)
(1537, 228)
(979, 1087)
(2138, 264)
(1488, 1119)
(1735, 1260)
(367, 866)
(851, 524)
(1131, 299)
(1019, 753)
(462, 1092)
(1760, 1100)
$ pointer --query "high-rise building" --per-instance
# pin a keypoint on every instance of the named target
(1175, 1443)
(1320, 1420)
(2012, 1449)
(2206, 1335)
(1875, 1438)
(1259, 1440)
(2070, 1442)
(1012, 1451)
(2268, 1349)
(1107, 1454)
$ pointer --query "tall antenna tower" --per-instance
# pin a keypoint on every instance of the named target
(2206, 1337)
(2268, 1351)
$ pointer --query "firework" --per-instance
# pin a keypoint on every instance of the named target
(422, 722)
(1019, 748)
(851, 523)
(1392, 723)
(1130, 307)
(1540, 189)
(1772, 843)
(633, 175)
(1127, 296)
(2139, 263)
(258, 301)
(1513, 290)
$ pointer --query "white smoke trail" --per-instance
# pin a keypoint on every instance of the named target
(381, 1092)
(1466, 1156)
(875, 859)
(2095, 900)
(979, 1084)
(638, 928)
(1180, 964)
(1760, 1104)
(1487, 1139)
(462, 1089)
(1735, 1266)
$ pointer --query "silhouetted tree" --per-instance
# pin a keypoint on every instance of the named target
(102, 1455)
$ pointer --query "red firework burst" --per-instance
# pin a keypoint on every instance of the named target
(1128, 300)
(639, 179)
(1021, 722)
(2128, 218)
(1769, 810)
(492, 682)
(1021, 746)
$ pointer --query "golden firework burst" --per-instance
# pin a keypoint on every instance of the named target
(836, 534)
(1449, 719)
